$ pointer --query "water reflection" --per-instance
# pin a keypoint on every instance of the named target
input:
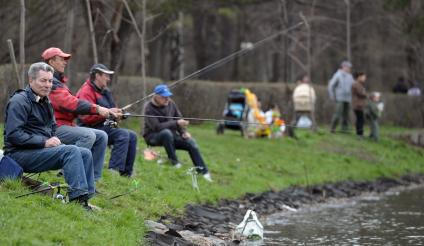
(396, 218)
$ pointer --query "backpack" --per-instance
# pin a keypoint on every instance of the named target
(9, 169)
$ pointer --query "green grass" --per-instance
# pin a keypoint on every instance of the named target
(237, 165)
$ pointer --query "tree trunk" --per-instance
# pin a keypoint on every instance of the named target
(286, 22)
(92, 34)
(15, 65)
(143, 52)
(22, 45)
(239, 39)
(181, 45)
(348, 40)
(119, 44)
(177, 50)
(70, 22)
(205, 36)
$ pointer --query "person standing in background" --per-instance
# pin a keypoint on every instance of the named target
(359, 101)
(340, 91)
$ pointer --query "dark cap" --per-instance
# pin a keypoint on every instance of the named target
(100, 68)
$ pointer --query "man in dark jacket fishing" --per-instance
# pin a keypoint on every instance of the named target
(170, 132)
(30, 137)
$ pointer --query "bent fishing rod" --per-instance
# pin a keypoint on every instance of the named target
(221, 61)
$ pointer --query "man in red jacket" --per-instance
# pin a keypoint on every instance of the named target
(124, 141)
(67, 107)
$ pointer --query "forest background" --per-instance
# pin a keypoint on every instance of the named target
(383, 38)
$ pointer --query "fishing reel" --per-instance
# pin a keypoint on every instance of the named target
(58, 195)
(112, 122)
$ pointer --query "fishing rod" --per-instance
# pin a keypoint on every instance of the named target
(48, 187)
(58, 186)
(220, 62)
(112, 122)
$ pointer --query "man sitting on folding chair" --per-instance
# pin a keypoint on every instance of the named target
(30, 140)
(167, 130)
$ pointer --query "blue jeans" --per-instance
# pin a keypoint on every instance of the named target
(124, 148)
(92, 139)
(76, 162)
(171, 142)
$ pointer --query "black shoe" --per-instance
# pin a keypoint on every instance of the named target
(125, 174)
(87, 207)
(60, 173)
(83, 201)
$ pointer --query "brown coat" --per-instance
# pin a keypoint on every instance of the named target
(359, 96)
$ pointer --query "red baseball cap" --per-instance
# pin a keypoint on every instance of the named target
(53, 51)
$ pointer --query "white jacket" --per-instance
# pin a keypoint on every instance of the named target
(304, 97)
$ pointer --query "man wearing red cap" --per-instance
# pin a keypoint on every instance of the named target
(67, 107)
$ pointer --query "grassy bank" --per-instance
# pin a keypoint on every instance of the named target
(237, 165)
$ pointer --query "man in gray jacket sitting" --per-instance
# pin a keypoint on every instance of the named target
(340, 91)
(166, 127)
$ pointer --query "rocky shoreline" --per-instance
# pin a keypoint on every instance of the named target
(213, 225)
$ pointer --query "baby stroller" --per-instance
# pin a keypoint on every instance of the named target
(235, 110)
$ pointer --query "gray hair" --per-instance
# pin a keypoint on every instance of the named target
(346, 64)
(37, 67)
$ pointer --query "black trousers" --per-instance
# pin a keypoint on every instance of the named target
(359, 122)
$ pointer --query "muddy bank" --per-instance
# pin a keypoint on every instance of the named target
(212, 225)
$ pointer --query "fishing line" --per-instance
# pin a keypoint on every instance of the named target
(194, 119)
(112, 122)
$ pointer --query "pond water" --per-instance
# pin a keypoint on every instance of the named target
(394, 218)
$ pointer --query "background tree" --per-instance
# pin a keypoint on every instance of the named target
(386, 37)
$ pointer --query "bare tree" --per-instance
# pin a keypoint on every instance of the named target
(141, 36)
(308, 45)
(92, 34)
(348, 37)
(181, 46)
(22, 45)
(143, 49)
(406, 17)
(283, 45)
(70, 22)
(15, 65)
(177, 49)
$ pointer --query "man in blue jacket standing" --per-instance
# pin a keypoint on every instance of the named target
(340, 91)
(30, 137)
